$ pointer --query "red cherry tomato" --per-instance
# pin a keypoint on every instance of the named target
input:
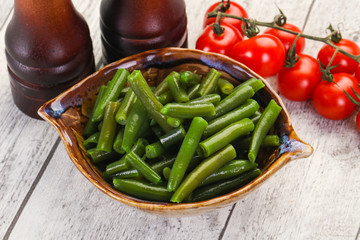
(298, 82)
(287, 38)
(358, 121)
(357, 74)
(329, 99)
(210, 42)
(345, 64)
(264, 54)
(234, 9)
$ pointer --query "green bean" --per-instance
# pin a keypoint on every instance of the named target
(166, 172)
(255, 117)
(165, 97)
(177, 90)
(161, 88)
(100, 156)
(211, 98)
(91, 126)
(166, 161)
(143, 168)
(108, 129)
(225, 136)
(131, 173)
(245, 110)
(195, 161)
(137, 117)
(221, 188)
(112, 93)
(256, 84)
(229, 170)
(126, 105)
(209, 83)
(202, 171)
(100, 125)
(154, 150)
(269, 141)
(189, 79)
(153, 123)
(235, 99)
(148, 99)
(225, 86)
(117, 166)
(188, 110)
(186, 152)
(145, 130)
(107, 177)
(174, 136)
(266, 121)
(142, 190)
(175, 122)
(91, 141)
(157, 167)
(192, 92)
(124, 91)
(118, 141)
(121, 165)
(157, 130)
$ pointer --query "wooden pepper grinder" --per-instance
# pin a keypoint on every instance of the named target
(133, 26)
(48, 49)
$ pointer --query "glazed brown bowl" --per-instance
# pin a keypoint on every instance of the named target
(66, 114)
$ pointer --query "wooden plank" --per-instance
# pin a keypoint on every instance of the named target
(26, 142)
(314, 198)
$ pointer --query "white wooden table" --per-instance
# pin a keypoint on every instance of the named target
(44, 196)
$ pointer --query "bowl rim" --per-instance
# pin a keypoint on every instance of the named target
(301, 149)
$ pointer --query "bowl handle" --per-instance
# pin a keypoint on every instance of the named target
(296, 147)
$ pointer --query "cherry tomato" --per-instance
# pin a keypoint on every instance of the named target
(357, 74)
(210, 42)
(264, 54)
(358, 121)
(345, 64)
(287, 38)
(329, 99)
(234, 9)
(298, 82)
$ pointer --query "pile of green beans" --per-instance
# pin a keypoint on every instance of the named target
(190, 139)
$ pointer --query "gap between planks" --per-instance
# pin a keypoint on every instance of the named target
(308, 14)
(226, 222)
(7, 18)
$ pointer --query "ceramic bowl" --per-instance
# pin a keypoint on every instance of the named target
(66, 114)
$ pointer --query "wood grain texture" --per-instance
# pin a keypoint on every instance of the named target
(25, 144)
(313, 198)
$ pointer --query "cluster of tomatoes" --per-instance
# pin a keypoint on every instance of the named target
(265, 54)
